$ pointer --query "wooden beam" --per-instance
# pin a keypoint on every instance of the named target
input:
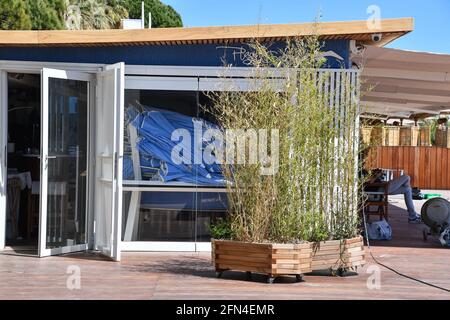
(391, 28)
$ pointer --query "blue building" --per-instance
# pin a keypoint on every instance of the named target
(66, 137)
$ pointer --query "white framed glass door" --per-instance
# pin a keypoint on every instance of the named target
(64, 161)
(109, 154)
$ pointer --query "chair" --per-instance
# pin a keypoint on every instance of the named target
(377, 195)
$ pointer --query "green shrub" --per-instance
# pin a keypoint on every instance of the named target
(221, 229)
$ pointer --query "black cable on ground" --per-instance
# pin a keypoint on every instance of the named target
(392, 269)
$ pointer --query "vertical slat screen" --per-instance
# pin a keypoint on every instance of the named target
(342, 89)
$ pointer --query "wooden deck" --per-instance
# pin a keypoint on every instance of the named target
(190, 275)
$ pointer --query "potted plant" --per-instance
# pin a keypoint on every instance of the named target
(272, 259)
(292, 194)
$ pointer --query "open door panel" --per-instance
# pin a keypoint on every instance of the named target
(64, 161)
(109, 154)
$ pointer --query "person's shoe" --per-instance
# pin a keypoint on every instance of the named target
(416, 219)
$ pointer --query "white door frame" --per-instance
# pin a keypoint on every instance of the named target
(66, 75)
(108, 157)
(3, 154)
(168, 73)
(206, 77)
(33, 67)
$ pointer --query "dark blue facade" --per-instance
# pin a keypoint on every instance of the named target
(174, 55)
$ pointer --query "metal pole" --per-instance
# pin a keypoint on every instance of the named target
(143, 16)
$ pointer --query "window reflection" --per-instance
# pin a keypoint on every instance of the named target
(148, 213)
(67, 162)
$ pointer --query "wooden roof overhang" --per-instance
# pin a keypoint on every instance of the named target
(360, 31)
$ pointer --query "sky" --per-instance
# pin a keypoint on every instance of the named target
(431, 17)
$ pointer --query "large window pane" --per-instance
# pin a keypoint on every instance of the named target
(159, 216)
(150, 118)
(67, 163)
(170, 215)
(211, 206)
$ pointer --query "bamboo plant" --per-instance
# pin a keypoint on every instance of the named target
(312, 196)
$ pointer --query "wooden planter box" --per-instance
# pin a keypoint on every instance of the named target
(338, 255)
(424, 136)
(376, 136)
(391, 136)
(447, 138)
(442, 138)
(415, 131)
(410, 136)
(271, 259)
(406, 136)
(366, 134)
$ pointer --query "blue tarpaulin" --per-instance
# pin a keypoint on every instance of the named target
(155, 128)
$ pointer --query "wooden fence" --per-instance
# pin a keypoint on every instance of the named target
(428, 167)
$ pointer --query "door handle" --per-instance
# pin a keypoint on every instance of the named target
(47, 157)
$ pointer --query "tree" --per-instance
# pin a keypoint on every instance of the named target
(46, 14)
(94, 14)
(81, 14)
(61, 14)
(32, 14)
(13, 15)
(163, 16)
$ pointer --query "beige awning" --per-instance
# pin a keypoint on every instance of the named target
(399, 83)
